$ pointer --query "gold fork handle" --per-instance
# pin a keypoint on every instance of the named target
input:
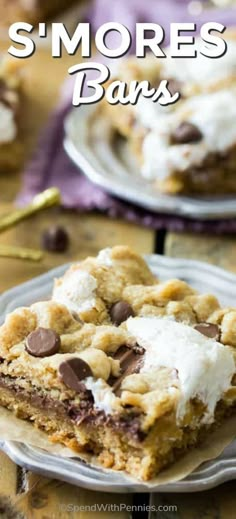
(8, 251)
(41, 201)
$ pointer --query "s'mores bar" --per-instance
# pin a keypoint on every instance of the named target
(11, 148)
(118, 364)
(189, 146)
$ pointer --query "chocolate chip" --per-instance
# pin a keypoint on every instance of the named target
(209, 330)
(120, 312)
(72, 371)
(43, 342)
(131, 360)
(186, 132)
(55, 239)
(174, 86)
(138, 349)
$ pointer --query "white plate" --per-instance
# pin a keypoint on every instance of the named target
(202, 276)
(110, 165)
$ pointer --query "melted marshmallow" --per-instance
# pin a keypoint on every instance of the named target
(202, 71)
(148, 112)
(77, 291)
(205, 367)
(104, 398)
(214, 115)
(8, 128)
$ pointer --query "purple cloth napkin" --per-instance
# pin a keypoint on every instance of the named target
(50, 165)
(164, 12)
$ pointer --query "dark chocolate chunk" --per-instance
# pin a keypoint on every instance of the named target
(73, 371)
(130, 362)
(209, 330)
(174, 86)
(186, 132)
(130, 424)
(55, 239)
(138, 349)
(120, 312)
(43, 342)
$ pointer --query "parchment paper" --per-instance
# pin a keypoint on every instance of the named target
(15, 429)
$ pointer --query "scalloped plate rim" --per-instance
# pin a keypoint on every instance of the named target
(208, 475)
(82, 154)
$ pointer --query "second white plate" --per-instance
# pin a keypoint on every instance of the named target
(109, 164)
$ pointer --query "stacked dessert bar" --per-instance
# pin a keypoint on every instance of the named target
(120, 365)
(189, 146)
(11, 115)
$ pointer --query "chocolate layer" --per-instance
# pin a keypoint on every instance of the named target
(45, 401)
(84, 413)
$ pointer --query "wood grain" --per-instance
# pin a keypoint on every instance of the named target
(212, 504)
(219, 250)
(88, 234)
(51, 499)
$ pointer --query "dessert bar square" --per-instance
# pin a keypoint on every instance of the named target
(189, 146)
(118, 364)
(11, 115)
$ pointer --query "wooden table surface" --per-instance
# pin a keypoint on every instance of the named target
(27, 495)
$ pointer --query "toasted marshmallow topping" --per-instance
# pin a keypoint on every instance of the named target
(8, 128)
(104, 257)
(213, 114)
(148, 112)
(202, 71)
(205, 367)
(76, 291)
(104, 398)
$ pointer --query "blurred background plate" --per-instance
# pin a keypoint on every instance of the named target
(205, 278)
(108, 163)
